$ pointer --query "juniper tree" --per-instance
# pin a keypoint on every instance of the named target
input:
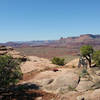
(87, 52)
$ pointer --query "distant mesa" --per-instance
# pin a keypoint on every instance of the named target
(70, 42)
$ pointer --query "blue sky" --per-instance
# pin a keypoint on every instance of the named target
(22, 20)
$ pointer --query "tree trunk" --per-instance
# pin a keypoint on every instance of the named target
(89, 60)
(90, 63)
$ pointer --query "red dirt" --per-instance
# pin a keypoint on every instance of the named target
(29, 75)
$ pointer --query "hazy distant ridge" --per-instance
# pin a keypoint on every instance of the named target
(71, 42)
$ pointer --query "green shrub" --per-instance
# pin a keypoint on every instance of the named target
(96, 57)
(10, 72)
(84, 72)
(58, 61)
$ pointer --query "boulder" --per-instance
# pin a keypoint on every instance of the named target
(90, 95)
(10, 51)
(3, 48)
(3, 52)
(94, 76)
(36, 64)
(64, 83)
(95, 95)
(98, 72)
(84, 86)
(61, 81)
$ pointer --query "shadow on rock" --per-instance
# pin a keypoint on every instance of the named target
(18, 92)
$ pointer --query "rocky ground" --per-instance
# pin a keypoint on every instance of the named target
(36, 64)
(42, 82)
(67, 83)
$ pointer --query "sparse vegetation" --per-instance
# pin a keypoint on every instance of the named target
(96, 57)
(70, 88)
(46, 52)
(84, 72)
(58, 61)
(89, 53)
(10, 72)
